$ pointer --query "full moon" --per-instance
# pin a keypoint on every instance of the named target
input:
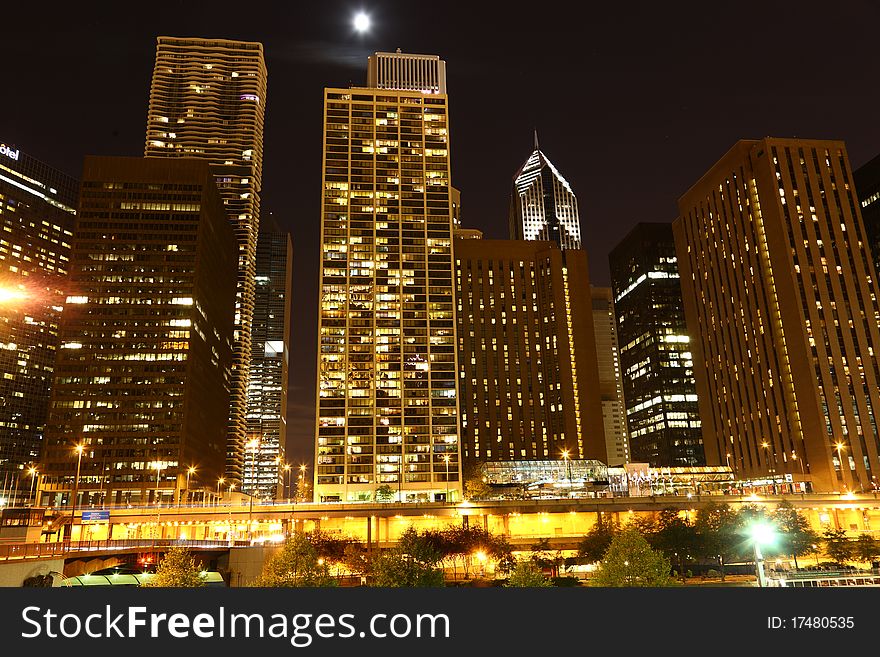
(361, 22)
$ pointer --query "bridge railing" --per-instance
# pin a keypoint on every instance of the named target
(64, 548)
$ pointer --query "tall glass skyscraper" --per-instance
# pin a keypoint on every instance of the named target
(655, 350)
(208, 101)
(267, 391)
(386, 390)
(37, 216)
(543, 205)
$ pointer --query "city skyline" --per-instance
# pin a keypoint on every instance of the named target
(659, 92)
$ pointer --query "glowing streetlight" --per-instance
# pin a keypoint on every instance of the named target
(287, 470)
(302, 474)
(568, 466)
(446, 460)
(32, 471)
(761, 533)
(79, 453)
(220, 482)
(189, 473)
(11, 294)
(159, 468)
(361, 22)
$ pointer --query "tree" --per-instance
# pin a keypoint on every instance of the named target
(384, 493)
(544, 556)
(296, 564)
(476, 489)
(866, 548)
(177, 569)
(837, 545)
(526, 574)
(630, 561)
(716, 525)
(413, 563)
(675, 537)
(596, 542)
(797, 539)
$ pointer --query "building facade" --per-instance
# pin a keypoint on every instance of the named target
(867, 181)
(528, 373)
(267, 391)
(610, 380)
(143, 374)
(780, 297)
(37, 212)
(662, 411)
(387, 412)
(208, 101)
(543, 205)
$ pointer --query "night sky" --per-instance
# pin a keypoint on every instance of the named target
(632, 103)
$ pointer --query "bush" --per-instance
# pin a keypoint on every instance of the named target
(565, 580)
(713, 573)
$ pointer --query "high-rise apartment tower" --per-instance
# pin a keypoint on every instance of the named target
(208, 101)
(387, 414)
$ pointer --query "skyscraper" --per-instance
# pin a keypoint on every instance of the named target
(527, 359)
(867, 180)
(208, 101)
(267, 392)
(610, 381)
(386, 390)
(543, 205)
(37, 213)
(662, 414)
(780, 296)
(142, 378)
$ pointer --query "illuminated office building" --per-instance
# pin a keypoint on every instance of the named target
(267, 392)
(37, 213)
(528, 371)
(386, 391)
(142, 378)
(208, 101)
(543, 205)
(610, 381)
(662, 414)
(780, 296)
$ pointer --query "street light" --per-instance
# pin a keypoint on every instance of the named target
(287, 470)
(762, 533)
(189, 472)
(255, 446)
(219, 482)
(840, 447)
(446, 460)
(568, 466)
(159, 467)
(302, 473)
(32, 471)
(79, 452)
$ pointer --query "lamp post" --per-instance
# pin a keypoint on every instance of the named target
(158, 492)
(219, 482)
(287, 470)
(190, 471)
(79, 452)
(302, 474)
(446, 460)
(255, 446)
(762, 534)
(32, 471)
(568, 467)
(839, 446)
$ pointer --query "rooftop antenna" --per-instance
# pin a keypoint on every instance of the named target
(536, 139)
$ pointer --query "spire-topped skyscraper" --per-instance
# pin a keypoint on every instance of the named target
(208, 101)
(543, 205)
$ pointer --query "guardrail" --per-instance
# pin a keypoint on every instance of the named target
(60, 549)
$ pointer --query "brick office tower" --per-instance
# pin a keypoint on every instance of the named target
(529, 376)
(208, 102)
(780, 296)
(143, 375)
